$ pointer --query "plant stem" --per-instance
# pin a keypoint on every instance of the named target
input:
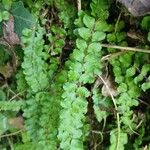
(79, 5)
(11, 134)
(117, 114)
(125, 48)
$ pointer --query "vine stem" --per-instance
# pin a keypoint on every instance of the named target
(117, 114)
(126, 48)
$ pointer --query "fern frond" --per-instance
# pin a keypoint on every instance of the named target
(34, 66)
(100, 9)
(41, 122)
(67, 13)
(11, 105)
(83, 67)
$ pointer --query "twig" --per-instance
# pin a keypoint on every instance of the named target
(139, 124)
(126, 48)
(79, 5)
(11, 134)
(16, 95)
(113, 55)
(101, 135)
(143, 102)
(117, 114)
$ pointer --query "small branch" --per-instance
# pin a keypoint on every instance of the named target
(11, 134)
(111, 56)
(126, 48)
(143, 102)
(79, 5)
(12, 92)
(16, 95)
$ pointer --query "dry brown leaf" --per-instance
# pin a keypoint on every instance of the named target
(112, 88)
(9, 33)
(135, 35)
(6, 70)
(17, 122)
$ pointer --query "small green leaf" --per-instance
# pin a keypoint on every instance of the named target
(78, 55)
(120, 36)
(146, 23)
(86, 78)
(7, 4)
(120, 26)
(83, 92)
(79, 21)
(81, 44)
(98, 36)
(111, 37)
(122, 141)
(94, 47)
(145, 69)
(89, 21)
(99, 114)
(131, 72)
(85, 33)
(145, 86)
(102, 26)
(122, 88)
(139, 78)
(5, 15)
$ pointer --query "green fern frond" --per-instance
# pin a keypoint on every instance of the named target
(100, 9)
(11, 105)
(83, 67)
(34, 66)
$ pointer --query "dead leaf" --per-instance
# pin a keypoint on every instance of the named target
(135, 35)
(17, 122)
(6, 70)
(9, 33)
(112, 87)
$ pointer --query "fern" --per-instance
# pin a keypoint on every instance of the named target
(21, 82)
(34, 66)
(57, 40)
(83, 66)
(100, 105)
(125, 69)
(27, 144)
(114, 138)
(144, 74)
(11, 105)
(100, 9)
(67, 12)
(42, 114)
(63, 101)
(42, 120)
